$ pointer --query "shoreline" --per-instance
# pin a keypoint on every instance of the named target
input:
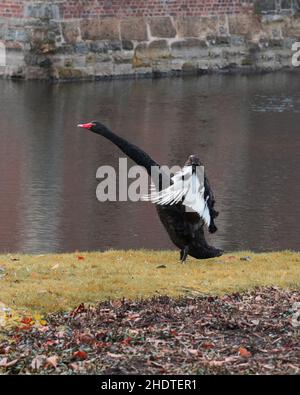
(227, 71)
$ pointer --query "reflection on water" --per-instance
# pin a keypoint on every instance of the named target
(245, 129)
(282, 103)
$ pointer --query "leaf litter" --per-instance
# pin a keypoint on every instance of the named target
(242, 333)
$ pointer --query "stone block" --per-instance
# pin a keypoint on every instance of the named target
(223, 41)
(42, 10)
(81, 48)
(159, 49)
(276, 43)
(286, 4)
(288, 42)
(70, 31)
(104, 69)
(263, 6)
(145, 54)
(68, 73)
(127, 45)
(13, 34)
(198, 27)
(134, 28)
(141, 56)
(244, 25)
(90, 29)
(291, 27)
(189, 48)
(237, 41)
(123, 68)
(109, 29)
(114, 45)
(100, 29)
(162, 27)
(122, 58)
(272, 30)
(14, 45)
(65, 49)
(99, 46)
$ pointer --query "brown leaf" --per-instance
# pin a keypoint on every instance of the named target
(86, 338)
(112, 355)
(38, 362)
(78, 310)
(5, 364)
(74, 366)
(80, 355)
(133, 316)
(52, 361)
(193, 352)
(208, 346)
(243, 352)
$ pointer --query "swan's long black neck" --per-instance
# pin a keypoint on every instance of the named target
(132, 151)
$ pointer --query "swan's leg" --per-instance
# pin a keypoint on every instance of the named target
(184, 253)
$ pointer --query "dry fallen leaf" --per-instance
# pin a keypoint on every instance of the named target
(193, 352)
(243, 352)
(208, 346)
(5, 364)
(52, 361)
(80, 355)
(38, 362)
(112, 355)
(74, 366)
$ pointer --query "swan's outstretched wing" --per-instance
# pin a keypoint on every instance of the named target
(187, 189)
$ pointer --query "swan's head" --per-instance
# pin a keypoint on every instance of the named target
(193, 160)
(94, 126)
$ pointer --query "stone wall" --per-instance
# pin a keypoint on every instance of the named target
(94, 39)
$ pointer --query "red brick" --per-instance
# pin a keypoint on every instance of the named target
(124, 8)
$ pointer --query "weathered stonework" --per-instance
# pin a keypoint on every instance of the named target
(134, 29)
(91, 39)
(162, 27)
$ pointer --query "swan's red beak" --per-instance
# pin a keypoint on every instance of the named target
(85, 125)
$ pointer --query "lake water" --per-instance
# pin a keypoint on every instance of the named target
(246, 130)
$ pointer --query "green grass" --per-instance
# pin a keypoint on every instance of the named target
(49, 283)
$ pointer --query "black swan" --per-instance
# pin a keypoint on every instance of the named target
(184, 228)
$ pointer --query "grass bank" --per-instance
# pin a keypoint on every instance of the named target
(51, 283)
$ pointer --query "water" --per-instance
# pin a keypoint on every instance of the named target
(245, 130)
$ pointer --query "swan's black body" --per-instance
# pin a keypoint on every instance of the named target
(184, 228)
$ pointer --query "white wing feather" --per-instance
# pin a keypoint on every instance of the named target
(186, 187)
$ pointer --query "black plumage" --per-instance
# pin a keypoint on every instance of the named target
(185, 229)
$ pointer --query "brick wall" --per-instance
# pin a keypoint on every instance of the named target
(11, 8)
(67, 9)
(90, 8)
(73, 9)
